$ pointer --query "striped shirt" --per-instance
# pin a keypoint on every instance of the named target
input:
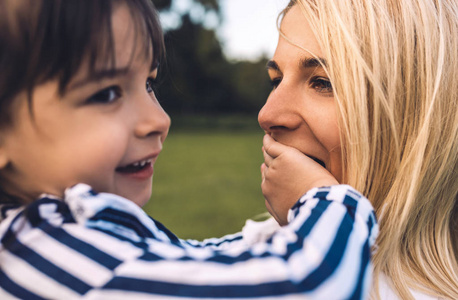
(102, 246)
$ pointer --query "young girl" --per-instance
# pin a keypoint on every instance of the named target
(79, 115)
(369, 88)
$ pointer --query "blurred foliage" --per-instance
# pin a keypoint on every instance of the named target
(206, 4)
(162, 4)
(209, 4)
(197, 78)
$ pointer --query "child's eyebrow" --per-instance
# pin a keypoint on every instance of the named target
(99, 75)
(272, 65)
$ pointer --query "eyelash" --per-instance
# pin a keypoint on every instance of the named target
(275, 82)
(113, 93)
(151, 84)
(319, 84)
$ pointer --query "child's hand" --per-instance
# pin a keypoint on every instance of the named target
(287, 174)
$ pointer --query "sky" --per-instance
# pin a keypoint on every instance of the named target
(249, 27)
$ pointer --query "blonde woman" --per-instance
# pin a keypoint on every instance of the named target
(369, 90)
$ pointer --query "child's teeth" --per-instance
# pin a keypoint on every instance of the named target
(141, 163)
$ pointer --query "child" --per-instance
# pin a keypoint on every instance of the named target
(79, 115)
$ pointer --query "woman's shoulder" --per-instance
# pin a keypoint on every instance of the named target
(387, 292)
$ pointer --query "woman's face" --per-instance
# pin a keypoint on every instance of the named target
(300, 111)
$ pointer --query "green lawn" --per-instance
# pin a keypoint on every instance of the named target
(207, 182)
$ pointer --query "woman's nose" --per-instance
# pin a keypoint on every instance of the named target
(152, 119)
(279, 113)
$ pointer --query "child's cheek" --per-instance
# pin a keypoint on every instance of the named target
(100, 159)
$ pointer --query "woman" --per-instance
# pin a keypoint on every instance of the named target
(368, 89)
(79, 114)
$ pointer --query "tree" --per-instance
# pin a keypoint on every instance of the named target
(162, 4)
(198, 78)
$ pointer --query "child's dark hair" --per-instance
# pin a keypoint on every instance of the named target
(43, 40)
(49, 39)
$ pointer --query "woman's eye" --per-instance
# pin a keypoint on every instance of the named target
(321, 85)
(275, 82)
(107, 95)
(150, 84)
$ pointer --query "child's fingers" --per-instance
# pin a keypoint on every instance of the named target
(267, 158)
(273, 148)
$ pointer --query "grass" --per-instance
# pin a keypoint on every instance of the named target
(207, 182)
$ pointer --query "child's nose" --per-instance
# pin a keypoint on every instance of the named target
(152, 119)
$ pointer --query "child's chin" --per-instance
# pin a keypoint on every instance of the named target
(142, 200)
(139, 196)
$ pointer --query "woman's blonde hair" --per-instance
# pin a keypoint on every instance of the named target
(394, 68)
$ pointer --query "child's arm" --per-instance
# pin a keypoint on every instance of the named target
(286, 175)
(100, 246)
(221, 243)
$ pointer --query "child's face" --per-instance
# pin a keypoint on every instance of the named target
(300, 111)
(106, 132)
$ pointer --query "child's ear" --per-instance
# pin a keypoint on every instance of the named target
(4, 159)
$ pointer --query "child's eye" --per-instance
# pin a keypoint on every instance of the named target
(275, 82)
(151, 84)
(321, 85)
(107, 95)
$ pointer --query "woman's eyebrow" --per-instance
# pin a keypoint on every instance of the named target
(312, 62)
(306, 62)
(98, 75)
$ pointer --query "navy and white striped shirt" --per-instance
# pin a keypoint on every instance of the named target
(102, 246)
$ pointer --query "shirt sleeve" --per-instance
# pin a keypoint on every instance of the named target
(222, 243)
(324, 253)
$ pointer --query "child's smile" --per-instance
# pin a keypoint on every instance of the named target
(105, 130)
(142, 169)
